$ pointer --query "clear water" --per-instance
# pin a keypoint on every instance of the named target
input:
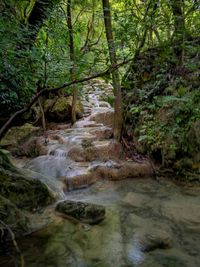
(134, 208)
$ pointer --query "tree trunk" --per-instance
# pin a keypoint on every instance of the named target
(9, 122)
(72, 60)
(39, 13)
(118, 119)
(179, 28)
(43, 115)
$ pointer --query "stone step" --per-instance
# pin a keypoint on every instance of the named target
(96, 150)
(82, 177)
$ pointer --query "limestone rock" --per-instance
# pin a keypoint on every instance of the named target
(155, 239)
(124, 170)
(61, 110)
(102, 133)
(182, 213)
(16, 136)
(99, 150)
(79, 181)
(106, 118)
(24, 192)
(82, 211)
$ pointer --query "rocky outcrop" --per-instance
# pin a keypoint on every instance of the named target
(123, 170)
(155, 239)
(82, 211)
(19, 195)
(61, 109)
(13, 217)
(17, 136)
(99, 150)
(106, 117)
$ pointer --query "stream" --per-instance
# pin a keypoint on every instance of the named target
(149, 222)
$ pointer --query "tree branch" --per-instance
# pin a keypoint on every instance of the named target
(12, 235)
(109, 70)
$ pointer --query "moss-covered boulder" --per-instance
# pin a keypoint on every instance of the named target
(12, 217)
(60, 111)
(20, 194)
(24, 193)
(82, 211)
(16, 136)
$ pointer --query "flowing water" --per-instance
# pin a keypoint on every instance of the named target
(141, 214)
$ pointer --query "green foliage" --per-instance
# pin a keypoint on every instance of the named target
(18, 65)
(162, 106)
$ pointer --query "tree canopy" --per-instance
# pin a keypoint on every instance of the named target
(34, 46)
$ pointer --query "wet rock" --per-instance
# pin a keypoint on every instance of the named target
(16, 136)
(157, 239)
(136, 200)
(182, 213)
(104, 150)
(102, 133)
(13, 217)
(61, 110)
(20, 194)
(33, 147)
(125, 170)
(55, 126)
(105, 117)
(24, 192)
(77, 154)
(104, 104)
(79, 181)
(99, 150)
(56, 137)
(82, 211)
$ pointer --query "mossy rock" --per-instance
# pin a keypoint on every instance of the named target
(85, 212)
(5, 161)
(12, 217)
(24, 192)
(17, 135)
(20, 195)
(61, 110)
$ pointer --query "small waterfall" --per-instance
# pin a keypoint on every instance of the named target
(60, 153)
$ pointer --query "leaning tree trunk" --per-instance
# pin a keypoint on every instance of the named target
(72, 60)
(118, 119)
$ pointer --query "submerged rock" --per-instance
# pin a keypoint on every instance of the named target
(82, 211)
(157, 239)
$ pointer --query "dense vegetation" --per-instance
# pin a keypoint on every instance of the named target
(148, 49)
(45, 44)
